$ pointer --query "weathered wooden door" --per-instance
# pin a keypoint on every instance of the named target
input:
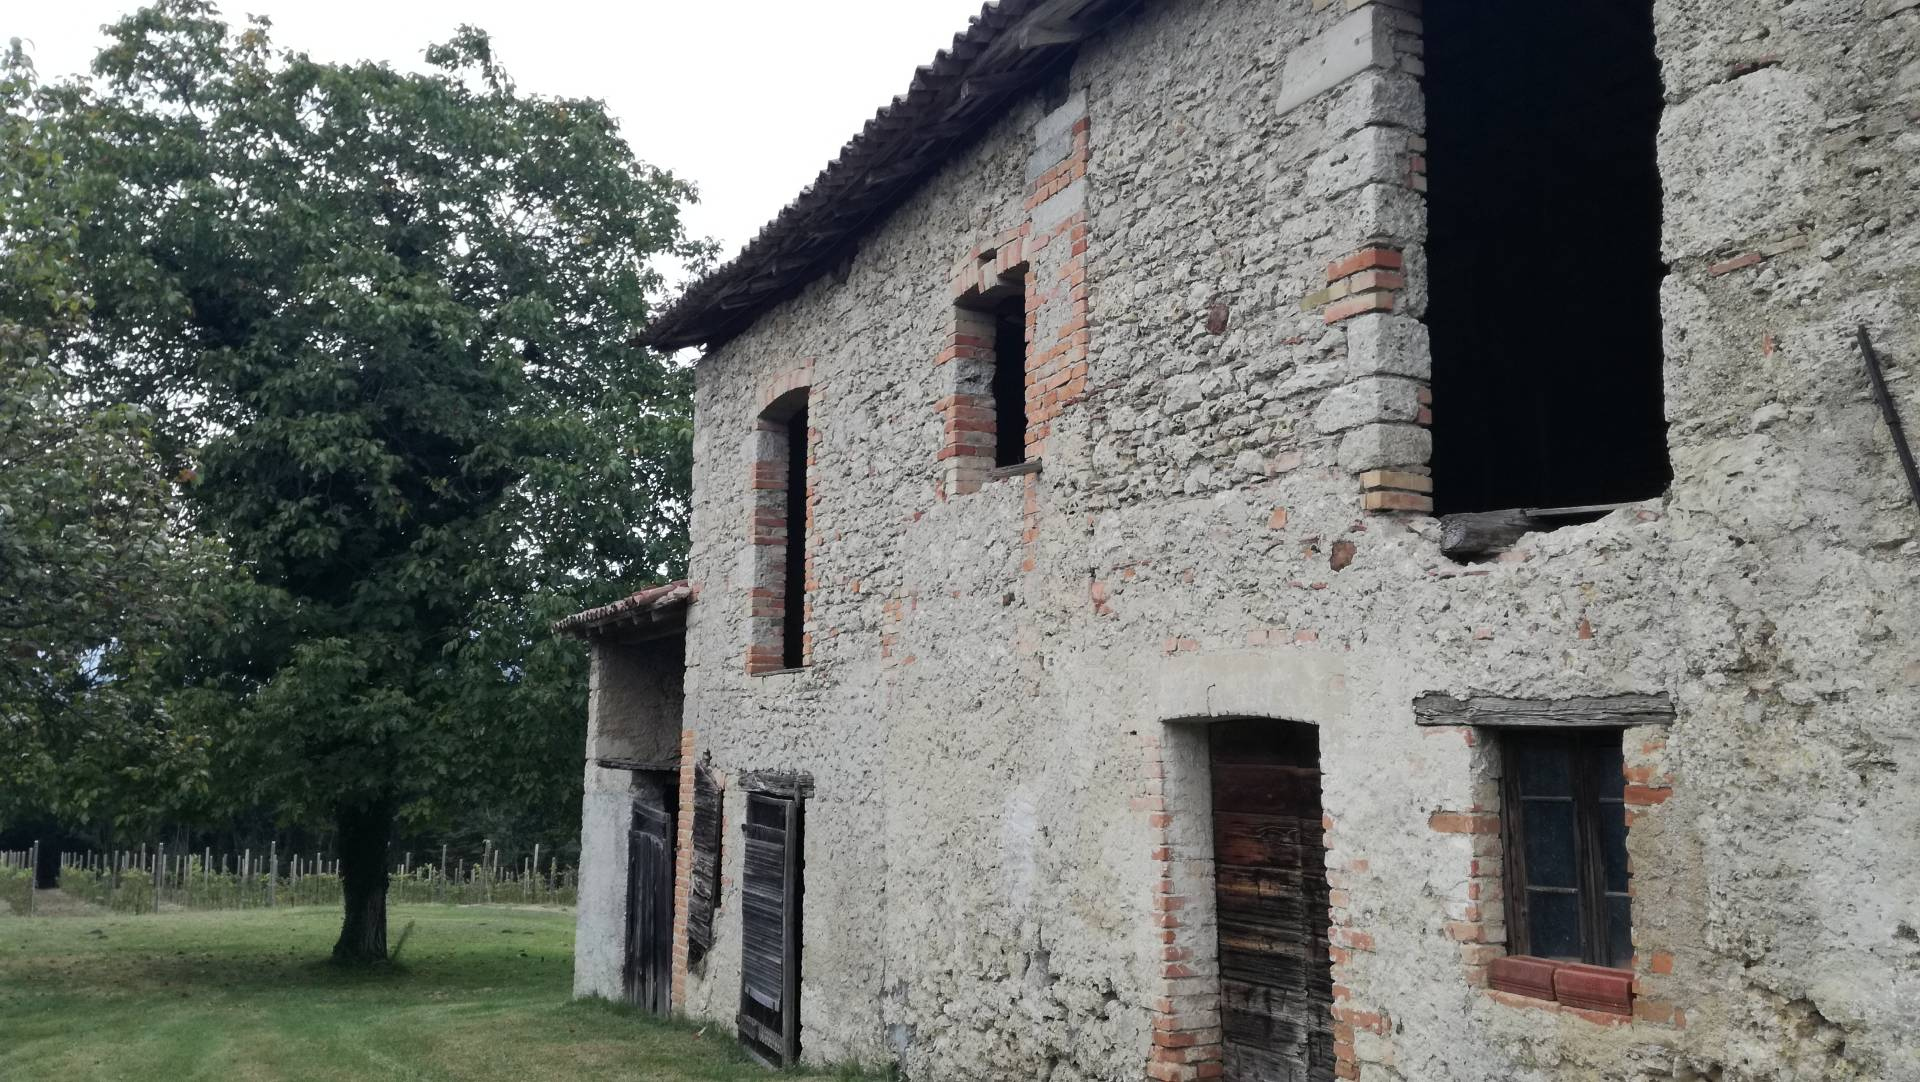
(769, 1016)
(650, 909)
(1276, 984)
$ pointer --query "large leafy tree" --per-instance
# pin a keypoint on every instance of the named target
(385, 320)
(95, 572)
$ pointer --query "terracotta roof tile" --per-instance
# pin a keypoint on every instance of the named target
(650, 605)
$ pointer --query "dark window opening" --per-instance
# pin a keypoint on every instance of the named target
(1565, 829)
(1010, 382)
(1544, 254)
(793, 614)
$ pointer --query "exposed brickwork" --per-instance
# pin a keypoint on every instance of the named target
(1185, 1005)
(683, 872)
(1477, 920)
(1027, 258)
(767, 527)
(1397, 490)
(1360, 1034)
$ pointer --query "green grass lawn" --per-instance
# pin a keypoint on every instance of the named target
(479, 993)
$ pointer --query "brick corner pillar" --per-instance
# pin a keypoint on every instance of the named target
(1183, 1002)
(683, 874)
(968, 428)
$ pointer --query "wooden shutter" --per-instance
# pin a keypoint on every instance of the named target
(769, 1018)
(650, 910)
(704, 891)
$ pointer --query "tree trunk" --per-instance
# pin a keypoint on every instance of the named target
(364, 833)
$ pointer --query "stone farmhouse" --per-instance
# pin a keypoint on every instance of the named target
(1302, 539)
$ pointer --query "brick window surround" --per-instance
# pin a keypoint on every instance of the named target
(769, 529)
(1477, 920)
(1174, 798)
(972, 354)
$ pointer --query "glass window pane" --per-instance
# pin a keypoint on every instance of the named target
(1619, 949)
(1548, 829)
(1610, 781)
(1542, 768)
(1553, 925)
(1613, 844)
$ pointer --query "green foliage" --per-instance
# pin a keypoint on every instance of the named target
(15, 885)
(95, 573)
(383, 322)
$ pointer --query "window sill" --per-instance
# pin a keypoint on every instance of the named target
(781, 672)
(1582, 989)
(1018, 469)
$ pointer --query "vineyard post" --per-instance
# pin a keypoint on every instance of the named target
(273, 870)
(33, 874)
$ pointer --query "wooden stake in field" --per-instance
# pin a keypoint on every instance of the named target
(273, 869)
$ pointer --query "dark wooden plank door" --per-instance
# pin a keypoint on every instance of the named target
(771, 888)
(1276, 985)
(650, 909)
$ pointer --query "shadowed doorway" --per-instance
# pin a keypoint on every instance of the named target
(1276, 984)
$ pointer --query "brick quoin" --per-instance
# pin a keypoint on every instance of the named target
(1345, 943)
(683, 874)
(1186, 1037)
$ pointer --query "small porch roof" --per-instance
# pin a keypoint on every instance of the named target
(652, 612)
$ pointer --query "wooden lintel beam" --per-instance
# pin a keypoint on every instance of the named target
(1480, 532)
(1579, 712)
(776, 782)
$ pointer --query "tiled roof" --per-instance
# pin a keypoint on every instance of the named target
(655, 605)
(1004, 52)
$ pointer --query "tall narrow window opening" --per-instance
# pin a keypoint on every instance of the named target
(793, 618)
(1010, 382)
(778, 530)
(1544, 254)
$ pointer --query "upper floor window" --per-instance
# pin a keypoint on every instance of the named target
(782, 512)
(1544, 254)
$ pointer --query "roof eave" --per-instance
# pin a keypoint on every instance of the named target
(1005, 51)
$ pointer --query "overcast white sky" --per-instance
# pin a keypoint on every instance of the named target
(746, 98)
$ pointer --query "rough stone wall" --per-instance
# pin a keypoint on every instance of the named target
(1008, 862)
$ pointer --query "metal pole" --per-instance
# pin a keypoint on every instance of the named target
(1891, 414)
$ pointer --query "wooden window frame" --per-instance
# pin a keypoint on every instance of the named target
(1583, 747)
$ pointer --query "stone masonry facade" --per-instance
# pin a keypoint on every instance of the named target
(1218, 229)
